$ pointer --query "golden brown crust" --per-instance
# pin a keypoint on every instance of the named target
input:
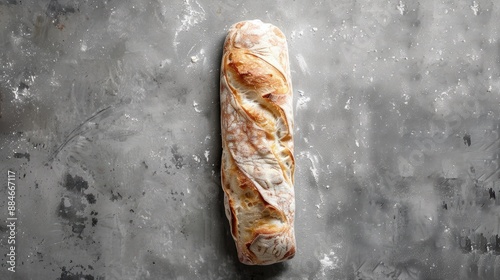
(257, 161)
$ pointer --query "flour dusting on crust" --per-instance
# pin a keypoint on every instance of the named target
(257, 127)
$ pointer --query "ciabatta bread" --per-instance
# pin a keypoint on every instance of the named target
(257, 137)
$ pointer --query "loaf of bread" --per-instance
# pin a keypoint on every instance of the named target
(257, 170)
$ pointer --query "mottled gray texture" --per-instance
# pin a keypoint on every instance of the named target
(110, 118)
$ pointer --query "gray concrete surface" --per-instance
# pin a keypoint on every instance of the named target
(110, 121)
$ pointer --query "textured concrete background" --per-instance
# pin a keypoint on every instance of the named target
(110, 120)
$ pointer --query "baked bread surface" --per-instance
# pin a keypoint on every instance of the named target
(257, 170)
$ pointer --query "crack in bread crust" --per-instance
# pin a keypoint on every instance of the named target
(257, 170)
